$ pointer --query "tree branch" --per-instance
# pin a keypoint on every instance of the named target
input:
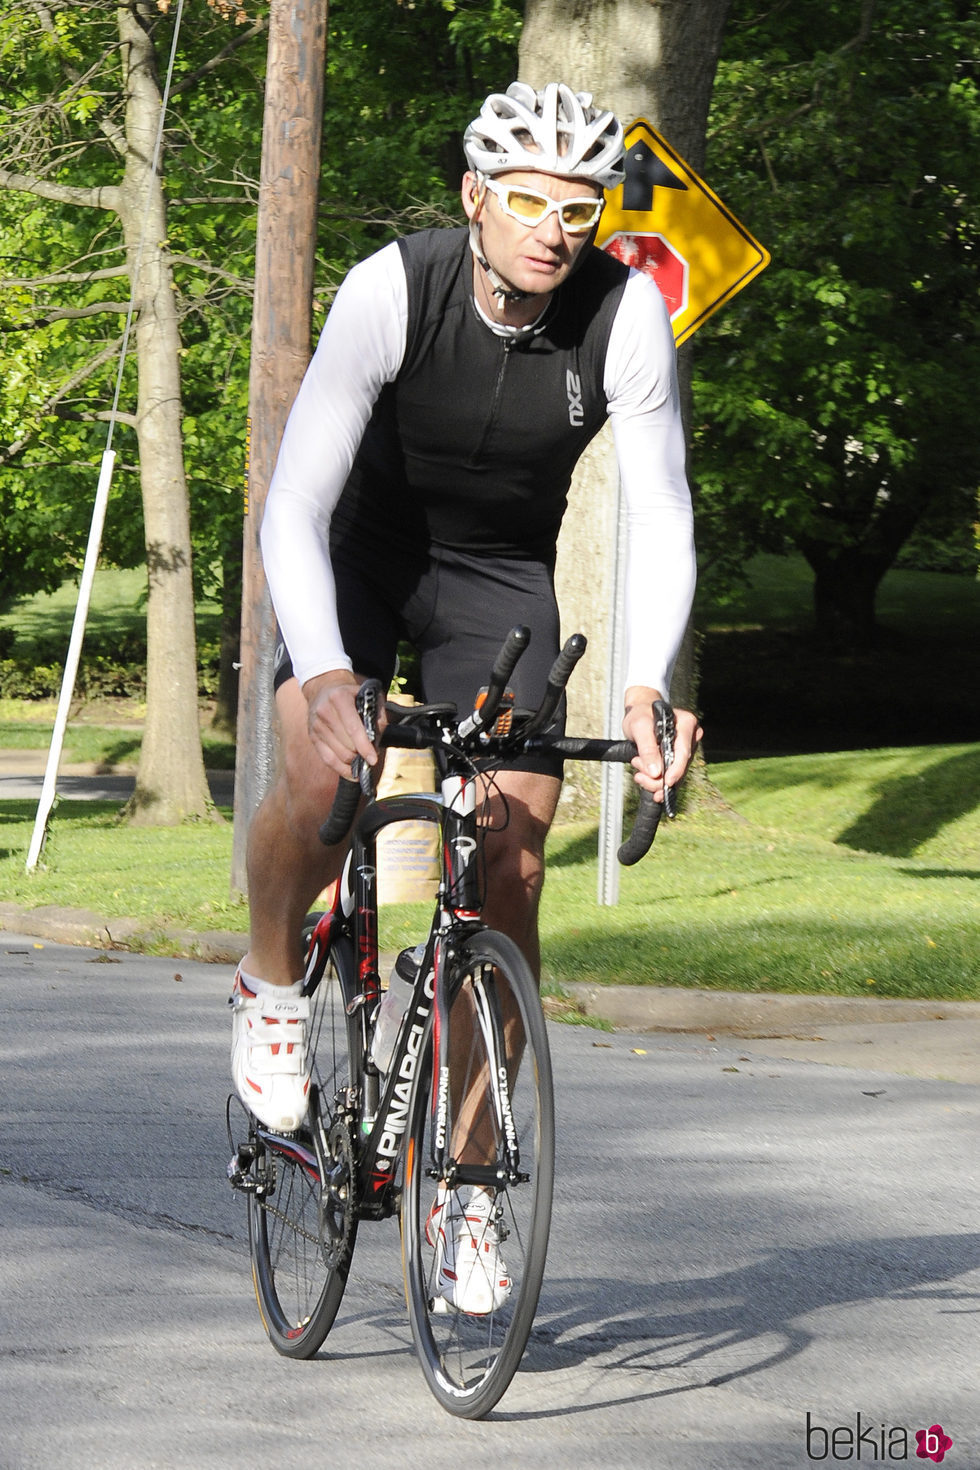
(64, 278)
(114, 134)
(770, 173)
(44, 17)
(868, 8)
(66, 314)
(186, 200)
(781, 120)
(46, 409)
(102, 417)
(207, 269)
(106, 197)
(243, 37)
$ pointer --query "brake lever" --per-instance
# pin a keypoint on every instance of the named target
(367, 702)
(665, 728)
(348, 794)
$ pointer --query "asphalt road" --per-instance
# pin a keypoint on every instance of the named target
(740, 1242)
(22, 779)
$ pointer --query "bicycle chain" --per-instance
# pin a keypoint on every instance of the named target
(297, 1229)
(341, 1151)
(339, 1141)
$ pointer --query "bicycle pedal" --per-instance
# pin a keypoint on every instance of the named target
(238, 1173)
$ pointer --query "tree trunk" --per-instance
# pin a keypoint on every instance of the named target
(845, 586)
(170, 781)
(642, 58)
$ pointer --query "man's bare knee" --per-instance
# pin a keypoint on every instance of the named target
(522, 809)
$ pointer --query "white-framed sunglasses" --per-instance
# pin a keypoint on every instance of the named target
(529, 207)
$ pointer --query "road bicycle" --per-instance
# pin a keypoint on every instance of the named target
(455, 1130)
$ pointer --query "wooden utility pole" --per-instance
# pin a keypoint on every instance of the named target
(281, 340)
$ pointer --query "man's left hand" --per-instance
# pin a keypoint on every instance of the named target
(638, 726)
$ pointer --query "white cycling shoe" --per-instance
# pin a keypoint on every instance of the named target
(268, 1053)
(470, 1273)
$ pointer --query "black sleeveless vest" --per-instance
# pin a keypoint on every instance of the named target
(473, 446)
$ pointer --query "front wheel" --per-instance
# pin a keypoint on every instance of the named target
(302, 1218)
(475, 1230)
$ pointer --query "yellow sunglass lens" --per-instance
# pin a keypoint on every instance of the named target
(578, 216)
(531, 207)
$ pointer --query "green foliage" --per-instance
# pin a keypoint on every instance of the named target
(62, 297)
(944, 540)
(835, 397)
(402, 79)
(36, 672)
(35, 632)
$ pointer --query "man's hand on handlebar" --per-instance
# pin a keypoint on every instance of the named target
(639, 726)
(335, 727)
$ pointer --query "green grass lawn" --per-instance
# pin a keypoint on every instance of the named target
(117, 609)
(842, 875)
(826, 867)
(724, 906)
(162, 876)
(779, 595)
(102, 745)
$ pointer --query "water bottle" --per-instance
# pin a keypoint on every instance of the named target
(394, 1004)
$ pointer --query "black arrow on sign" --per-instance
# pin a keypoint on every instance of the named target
(646, 171)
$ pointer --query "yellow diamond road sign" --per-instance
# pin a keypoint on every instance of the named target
(664, 220)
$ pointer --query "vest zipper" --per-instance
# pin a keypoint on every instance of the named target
(494, 402)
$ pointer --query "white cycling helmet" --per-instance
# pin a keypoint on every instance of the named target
(554, 131)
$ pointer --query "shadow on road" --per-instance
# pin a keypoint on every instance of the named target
(708, 1331)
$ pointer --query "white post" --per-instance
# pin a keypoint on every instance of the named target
(71, 663)
(611, 789)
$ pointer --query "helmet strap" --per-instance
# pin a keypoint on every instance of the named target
(498, 285)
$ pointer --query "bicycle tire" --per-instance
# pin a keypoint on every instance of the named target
(301, 1239)
(469, 1360)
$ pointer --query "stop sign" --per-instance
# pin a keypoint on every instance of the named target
(653, 254)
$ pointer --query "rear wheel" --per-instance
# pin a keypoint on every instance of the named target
(302, 1219)
(474, 1241)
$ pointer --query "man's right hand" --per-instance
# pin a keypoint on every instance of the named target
(335, 727)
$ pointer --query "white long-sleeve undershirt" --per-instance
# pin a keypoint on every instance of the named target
(360, 350)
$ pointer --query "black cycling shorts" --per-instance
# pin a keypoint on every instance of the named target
(456, 609)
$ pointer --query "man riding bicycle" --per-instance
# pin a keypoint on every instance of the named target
(418, 495)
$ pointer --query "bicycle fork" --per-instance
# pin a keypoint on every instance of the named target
(460, 905)
(489, 1090)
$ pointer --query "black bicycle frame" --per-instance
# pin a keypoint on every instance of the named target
(382, 1116)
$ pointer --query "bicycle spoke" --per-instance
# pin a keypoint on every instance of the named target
(301, 1242)
(472, 1305)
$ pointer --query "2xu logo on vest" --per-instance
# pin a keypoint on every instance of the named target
(573, 387)
(874, 1442)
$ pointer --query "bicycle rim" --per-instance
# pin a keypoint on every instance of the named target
(301, 1238)
(469, 1357)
